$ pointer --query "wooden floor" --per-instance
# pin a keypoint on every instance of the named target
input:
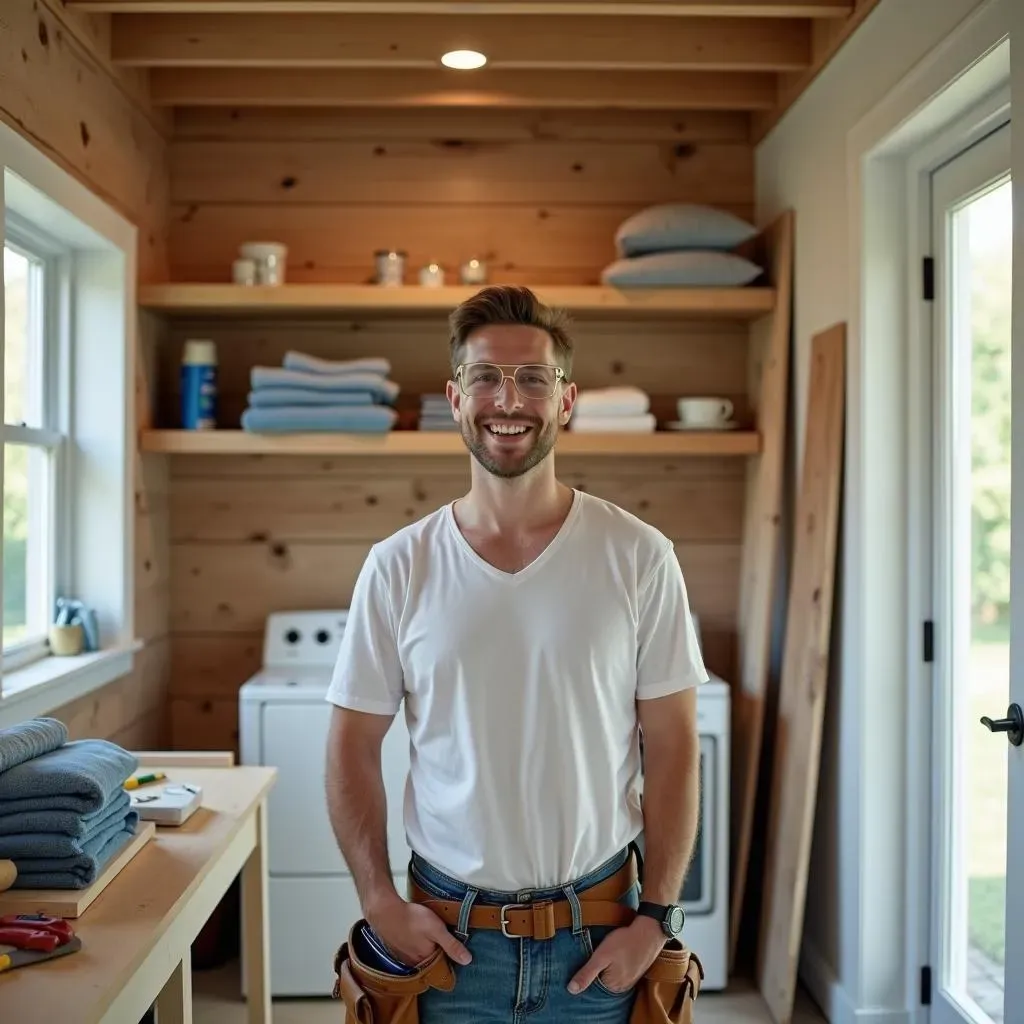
(217, 998)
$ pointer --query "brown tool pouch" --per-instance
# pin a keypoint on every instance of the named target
(375, 997)
(666, 993)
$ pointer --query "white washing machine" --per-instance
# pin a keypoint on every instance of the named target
(283, 721)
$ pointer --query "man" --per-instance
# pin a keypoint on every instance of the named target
(530, 629)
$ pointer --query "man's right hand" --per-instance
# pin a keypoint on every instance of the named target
(412, 932)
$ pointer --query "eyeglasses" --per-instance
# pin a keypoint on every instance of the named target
(484, 380)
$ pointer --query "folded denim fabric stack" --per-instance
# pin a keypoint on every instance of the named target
(436, 413)
(622, 409)
(64, 812)
(307, 393)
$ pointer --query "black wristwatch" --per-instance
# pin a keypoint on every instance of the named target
(670, 917)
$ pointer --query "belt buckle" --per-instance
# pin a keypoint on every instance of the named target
(503, 921)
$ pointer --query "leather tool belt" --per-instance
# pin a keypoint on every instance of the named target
(664, 995)
(542, 918)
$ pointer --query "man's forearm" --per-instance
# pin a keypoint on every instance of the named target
(671, 803)
(357, 806)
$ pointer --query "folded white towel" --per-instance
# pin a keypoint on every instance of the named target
(643, 424)
(623, 400)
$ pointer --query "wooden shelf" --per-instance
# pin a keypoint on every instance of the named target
(189, 300)
(414, 442)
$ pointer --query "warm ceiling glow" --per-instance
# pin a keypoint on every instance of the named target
(464, 60)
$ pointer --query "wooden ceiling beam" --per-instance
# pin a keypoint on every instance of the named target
(327, 40)
(628, 8)
(332, 87)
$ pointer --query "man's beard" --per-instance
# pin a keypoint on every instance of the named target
(508, 465)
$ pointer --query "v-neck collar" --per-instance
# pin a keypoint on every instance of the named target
(546, 555)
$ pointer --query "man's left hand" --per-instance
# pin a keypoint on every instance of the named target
(622, 957)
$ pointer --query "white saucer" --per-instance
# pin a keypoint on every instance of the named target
(678, 425)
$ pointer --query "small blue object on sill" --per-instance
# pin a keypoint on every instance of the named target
(70, 614)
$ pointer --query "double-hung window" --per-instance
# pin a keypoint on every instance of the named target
(35, 450)
(68, 320)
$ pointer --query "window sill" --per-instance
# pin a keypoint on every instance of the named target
(47, 684)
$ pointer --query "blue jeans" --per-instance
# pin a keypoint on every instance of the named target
(523, 981)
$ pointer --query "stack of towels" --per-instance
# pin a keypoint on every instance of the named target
(307, 393)
(623, 409)
(64, 811)
(436, 413)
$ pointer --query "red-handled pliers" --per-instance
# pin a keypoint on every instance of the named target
(24, 925)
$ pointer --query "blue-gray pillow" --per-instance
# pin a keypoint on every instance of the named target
(669, 226)
(693, 268)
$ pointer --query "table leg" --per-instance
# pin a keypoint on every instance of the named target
(256, 937)
(174, 1004)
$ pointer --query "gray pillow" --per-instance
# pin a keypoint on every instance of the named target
(681, 226)
(692, 268)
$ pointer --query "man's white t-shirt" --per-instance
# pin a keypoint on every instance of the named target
(520, 689)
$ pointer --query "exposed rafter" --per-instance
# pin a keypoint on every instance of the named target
(332, 87)
(628, 8)
(330, 40)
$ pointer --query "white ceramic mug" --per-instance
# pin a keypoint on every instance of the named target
(704, 412)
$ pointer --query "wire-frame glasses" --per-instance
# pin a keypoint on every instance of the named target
(485, 380)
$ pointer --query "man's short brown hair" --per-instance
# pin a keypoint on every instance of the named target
(509, 304)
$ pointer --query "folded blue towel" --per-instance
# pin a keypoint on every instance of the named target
(81, 776)
(83, 868)
(308, 396)
(360, 419)
(382, 389)
(25, 740)
(36, 845)
(64, 822)
(314, 364)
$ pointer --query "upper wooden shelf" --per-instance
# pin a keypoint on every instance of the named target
(188, 300)
(415, 442)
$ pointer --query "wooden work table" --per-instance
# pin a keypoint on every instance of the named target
(136, 936)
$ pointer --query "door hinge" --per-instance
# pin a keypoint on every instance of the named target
(928, 279)
(928, 641)
(926, 986)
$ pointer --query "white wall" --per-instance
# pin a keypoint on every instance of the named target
(858, 955)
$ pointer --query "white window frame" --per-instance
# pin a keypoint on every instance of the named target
(27, 239)
(96, 322)
(961, 82)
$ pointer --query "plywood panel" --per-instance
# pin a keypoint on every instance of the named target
(452, 127)
(769, 361)
(692, 508)
(805, 664)
(527, 243)
(475, 172)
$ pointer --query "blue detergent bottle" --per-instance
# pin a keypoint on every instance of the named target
(199, 385)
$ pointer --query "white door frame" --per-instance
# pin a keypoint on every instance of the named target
(931, 384)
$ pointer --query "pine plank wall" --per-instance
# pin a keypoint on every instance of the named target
(61, 94)
(223, 541)
(538, 196)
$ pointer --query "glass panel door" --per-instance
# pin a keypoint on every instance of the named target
(972, 246)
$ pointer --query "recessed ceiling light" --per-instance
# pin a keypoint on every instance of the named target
(464, 60)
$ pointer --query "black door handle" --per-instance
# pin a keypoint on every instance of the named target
(1012, 725)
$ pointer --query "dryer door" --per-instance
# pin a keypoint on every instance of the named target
(299, 831)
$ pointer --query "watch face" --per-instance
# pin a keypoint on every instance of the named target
(675, 919)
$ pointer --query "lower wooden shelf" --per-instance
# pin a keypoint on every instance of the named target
(415, 442)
